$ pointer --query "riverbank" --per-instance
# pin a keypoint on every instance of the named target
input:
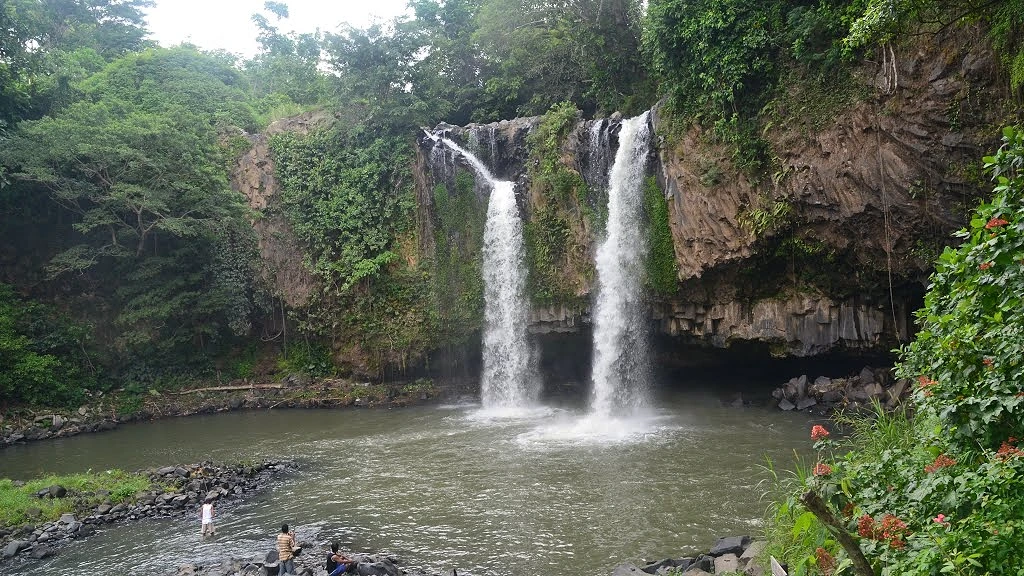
(85, 507)
(105, 411)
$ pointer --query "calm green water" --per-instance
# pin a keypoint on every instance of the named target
(546, 492)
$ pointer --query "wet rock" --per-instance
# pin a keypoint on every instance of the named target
(702, 562)
(165, 471)
(14, 547)
(57, 491)
(785, 405)
(730, 545)
(40, 552)
(652, 568)
(867, 375)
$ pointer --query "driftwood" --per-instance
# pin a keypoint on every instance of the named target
(817, 506)
(230, 388)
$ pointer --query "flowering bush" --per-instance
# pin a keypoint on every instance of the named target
(942, 492)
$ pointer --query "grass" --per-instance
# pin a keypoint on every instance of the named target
(17, 501)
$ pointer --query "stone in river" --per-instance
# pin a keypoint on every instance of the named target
(166, 470)
(786, 405)
(14, 547)
(652, 568)
(730, 545)
(40, 552)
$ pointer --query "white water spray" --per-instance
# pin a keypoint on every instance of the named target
(509, 381)
(620, 370)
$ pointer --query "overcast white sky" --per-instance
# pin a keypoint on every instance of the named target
(226, 24)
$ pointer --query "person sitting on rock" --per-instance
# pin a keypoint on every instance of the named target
(338, 563)
(285, 546)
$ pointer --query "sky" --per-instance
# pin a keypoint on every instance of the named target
(226, 24)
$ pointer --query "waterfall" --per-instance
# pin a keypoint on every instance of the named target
(508, 379)
(620, 371)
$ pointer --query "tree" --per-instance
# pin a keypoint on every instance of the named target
(287, 64)
(137, 163)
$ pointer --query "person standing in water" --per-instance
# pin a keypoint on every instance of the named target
(206, 514)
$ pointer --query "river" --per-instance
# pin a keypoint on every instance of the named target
(547, 491)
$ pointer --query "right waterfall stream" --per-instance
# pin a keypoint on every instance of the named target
(620, 371)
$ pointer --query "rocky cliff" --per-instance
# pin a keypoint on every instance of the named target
(826, 248)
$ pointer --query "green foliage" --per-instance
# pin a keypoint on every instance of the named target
(16, 501)
(971, 328)
(942, 492)
(345, 194)
(662, 272)
(287, 64)
(556, 254)
(458, 245)
(766, 216)
(42, 354)
(312, 359)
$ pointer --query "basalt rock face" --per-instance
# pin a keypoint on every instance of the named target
(868, 198)
(865, 200)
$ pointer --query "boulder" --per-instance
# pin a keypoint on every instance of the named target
(822, 384)
(785, 405)
(727, 563)
(874, 390)
(730, 545)
(40, 552)
(752, 551)
(103, 509)
(33, 512)
(806, 403)
(58, 422)
(382, 567)
(57, 491)
(702, 562)
(166, 471)
(67, 518)
(867, 376)
(652, 568)
(14, 547)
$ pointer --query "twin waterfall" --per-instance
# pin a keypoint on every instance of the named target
(509, 378)
(620, 372)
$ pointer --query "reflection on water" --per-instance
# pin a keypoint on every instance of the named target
(546, 491)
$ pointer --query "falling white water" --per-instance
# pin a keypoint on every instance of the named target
(509, 381)
(620, 348)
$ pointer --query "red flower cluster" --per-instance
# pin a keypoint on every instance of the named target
(826, 562)
(891, 529)
(942, 461)
(821, 469)
(1007, 450)
(925, 382)
(984, 266)
(818, 432)
(995, 222)
(866, 526)
(988, 362)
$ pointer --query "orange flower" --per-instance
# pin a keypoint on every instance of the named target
(818, 432)
(984, 265)
(821, 469)
(942, 461)
(826, 562)
(995, 222)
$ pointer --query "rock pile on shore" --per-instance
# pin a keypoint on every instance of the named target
(852, 392)
(309, 563)
(176, 490)
(731, 555)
